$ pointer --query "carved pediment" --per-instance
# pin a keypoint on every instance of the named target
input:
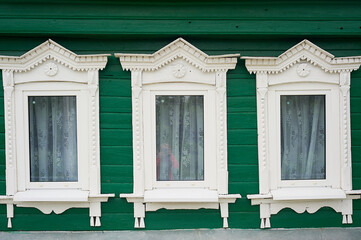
(178, 49)
(304, 51)
(50, 50)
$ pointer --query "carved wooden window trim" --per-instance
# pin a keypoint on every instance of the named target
(304, 69)
(52, 70)
(179, 68)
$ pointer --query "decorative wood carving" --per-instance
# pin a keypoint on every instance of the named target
(280, 72)
(147, 70)
(12, 68)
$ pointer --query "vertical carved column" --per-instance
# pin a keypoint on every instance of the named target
(137, 108)
(8, 83)
(93, 79)
(9, 100)
(262, 89)
(345, 130)
(221, 101)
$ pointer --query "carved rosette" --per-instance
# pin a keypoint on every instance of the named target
(179, 70)
(51, 69)
(303, 70)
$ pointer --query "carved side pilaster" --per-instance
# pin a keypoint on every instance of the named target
(222, 118)
(345, 130)
(262, 90)
(221, 121)
(93, 80)
(8, 83)
(137, 108)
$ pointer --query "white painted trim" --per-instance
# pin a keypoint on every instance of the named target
(179, 69)
(304, 69)
(52, 70)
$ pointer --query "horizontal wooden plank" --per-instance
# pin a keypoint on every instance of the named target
(119, 27)
(243, 173)
(241, 87)
(114, 137)
(116, 188)
(115, 104)
(116, 155)
(243, 154)
(356, 137)
(117, 174)
(242, 137)
(241, 104)
(243, 120)
(114, 87)
(115, 121)
(185, 10)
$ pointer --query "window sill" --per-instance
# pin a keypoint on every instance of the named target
(304, 199)
(46, 195)
(180, 195)
(179, 198)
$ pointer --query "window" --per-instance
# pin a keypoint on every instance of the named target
(53, 139)
(179, 137)
(304, 144)
(51, 113)
(179, 130)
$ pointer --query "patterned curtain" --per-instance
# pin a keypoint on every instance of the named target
(53, 139)
(179, 130)
(303, 137)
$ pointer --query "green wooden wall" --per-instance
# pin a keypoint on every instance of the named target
(252, 28)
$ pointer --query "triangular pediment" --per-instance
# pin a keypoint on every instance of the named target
(178, 49)
(304, 51)
(50, 50)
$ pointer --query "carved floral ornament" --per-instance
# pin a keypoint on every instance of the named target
(51, 69)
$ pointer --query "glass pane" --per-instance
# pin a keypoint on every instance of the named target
(53, 139)
(180, 143)
(303, 141)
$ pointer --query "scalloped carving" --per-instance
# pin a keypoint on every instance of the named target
(179, 48)
(303, 51)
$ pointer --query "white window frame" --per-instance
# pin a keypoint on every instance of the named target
(52, 70)
(179, 69)
(209, 140)
(304, 69)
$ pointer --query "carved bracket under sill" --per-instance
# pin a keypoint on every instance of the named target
(48, 203)
(271, 204)
(203, 198)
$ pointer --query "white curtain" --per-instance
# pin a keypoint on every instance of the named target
(53, 139)
(303, 137)
(179, 129)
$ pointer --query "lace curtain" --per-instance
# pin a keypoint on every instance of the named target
(303, 137)
(53, 139)
(179, 134)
